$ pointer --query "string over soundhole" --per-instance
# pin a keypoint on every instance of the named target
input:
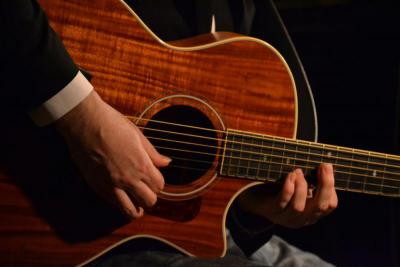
(189, 138)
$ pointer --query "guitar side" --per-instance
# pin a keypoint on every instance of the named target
(245, 80)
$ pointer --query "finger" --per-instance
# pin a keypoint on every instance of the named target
(157, 159)
(324, 200)
(150, 175)
(287, 190)
(156, 180)
(298, 201)
(143, 194)
(126, 205)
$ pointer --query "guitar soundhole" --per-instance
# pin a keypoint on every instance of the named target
(188, 137)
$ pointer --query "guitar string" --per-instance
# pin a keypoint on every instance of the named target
(282, 139)
(263, 154)
(275, 148)
(290, 158)
(261, 169)
(280, 149)
(272, 180)
(277, 163)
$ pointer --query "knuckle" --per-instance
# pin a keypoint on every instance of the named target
(126, 182)
(143, 167)
(117, 178)
(148, 167)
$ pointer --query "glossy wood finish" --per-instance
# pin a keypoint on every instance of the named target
(47, 214)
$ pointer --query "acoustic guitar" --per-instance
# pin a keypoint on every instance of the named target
(223, 106)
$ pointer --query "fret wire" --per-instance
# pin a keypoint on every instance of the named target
(249, 152)
(283, 158)
(237, 152)
(253, 160)
(231, 157)
(258, 163)
(241, 155)
(350, 172)
(365, 179)
(270, 159)
(241, 158)
(337, 156)
(258, 166)
(264, 159)
(360, 152)
(384, 169)
(262, 162)
(271, 180)
(307, 159)
(345, 151)
(336, 179)
(308, 144)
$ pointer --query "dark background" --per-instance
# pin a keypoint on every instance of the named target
(350, 51)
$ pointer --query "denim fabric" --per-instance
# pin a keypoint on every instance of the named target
(276, 253)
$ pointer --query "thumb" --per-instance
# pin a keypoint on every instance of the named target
(157, 159)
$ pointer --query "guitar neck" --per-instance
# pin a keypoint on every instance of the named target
(269, 158)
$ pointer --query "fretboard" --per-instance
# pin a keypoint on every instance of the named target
(268, 158)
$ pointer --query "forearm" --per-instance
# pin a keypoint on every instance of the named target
(35, 65)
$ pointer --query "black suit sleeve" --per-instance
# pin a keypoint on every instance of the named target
(34, 64)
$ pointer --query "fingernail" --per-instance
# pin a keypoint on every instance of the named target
(283, 204)
(167, 159)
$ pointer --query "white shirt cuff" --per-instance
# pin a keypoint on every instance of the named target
(63, 102)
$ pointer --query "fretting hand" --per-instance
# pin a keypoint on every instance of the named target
(293, 207)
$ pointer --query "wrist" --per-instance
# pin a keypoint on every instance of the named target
(77, 119)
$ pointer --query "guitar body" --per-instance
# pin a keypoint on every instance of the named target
(219, 81)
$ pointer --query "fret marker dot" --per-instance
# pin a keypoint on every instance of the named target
(288, 161)
(374, 173)
(265, 158)
(329, 154)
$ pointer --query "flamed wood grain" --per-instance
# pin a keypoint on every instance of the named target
(49, 217)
